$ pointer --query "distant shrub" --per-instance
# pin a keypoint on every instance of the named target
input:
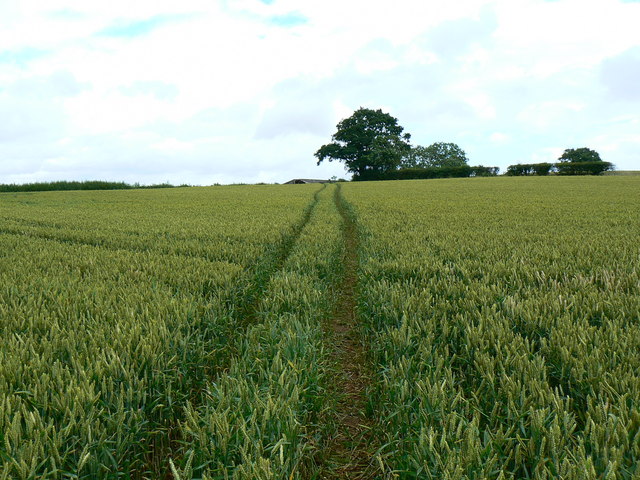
(562, 168)
(530, 169)
(482, 171)
(518, 170)
(583, 168)
(158, 185)
(542, 168)
(73, 185)
(416, 173)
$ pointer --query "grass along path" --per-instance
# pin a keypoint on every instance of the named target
(350, 451)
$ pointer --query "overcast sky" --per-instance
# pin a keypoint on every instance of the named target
(204, 91)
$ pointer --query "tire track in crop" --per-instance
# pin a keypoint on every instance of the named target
(350, 451)
(270, 264)
(243, 304)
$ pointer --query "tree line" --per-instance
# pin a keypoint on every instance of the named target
(373, 146)
(574, 161)
(64, 185)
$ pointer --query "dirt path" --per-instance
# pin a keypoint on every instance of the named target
(350, 452)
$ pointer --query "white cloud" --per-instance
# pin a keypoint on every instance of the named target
(201, 91)
(621, 74)
(499, 137)
(548, 114)
(545, 155)
(172, 145)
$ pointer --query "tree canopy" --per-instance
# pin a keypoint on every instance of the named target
(436, 155)
(369, 142)
(578, 155)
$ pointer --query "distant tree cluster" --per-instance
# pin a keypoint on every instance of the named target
(74, 185)
(373, 146)
(437, 155)
(441, 172)
(529, 169)
(574, 161)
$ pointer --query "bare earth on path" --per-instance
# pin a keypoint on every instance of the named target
(350, 452)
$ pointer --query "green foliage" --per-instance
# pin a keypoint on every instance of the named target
(86, 185)
(579, 155)
(437, 155)
(574, 161)
(583, 168)
(502, 317)
(436, 172)
(562, 168)
(368, 142)
(530, 169)
(385, 153)
(373, 147)
(542, 168)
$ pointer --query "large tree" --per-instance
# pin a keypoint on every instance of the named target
(369, 142)
(439, 154)
(578, 155)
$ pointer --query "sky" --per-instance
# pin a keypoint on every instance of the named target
(230, 91)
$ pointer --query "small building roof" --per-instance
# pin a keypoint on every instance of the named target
(305, 180)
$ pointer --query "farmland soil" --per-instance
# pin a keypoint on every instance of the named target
(350, 450)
